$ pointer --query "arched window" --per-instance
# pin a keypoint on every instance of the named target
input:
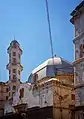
(14, 87)
(21, 92)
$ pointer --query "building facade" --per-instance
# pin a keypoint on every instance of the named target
(46, 90)
(78, 21)
(3, 96)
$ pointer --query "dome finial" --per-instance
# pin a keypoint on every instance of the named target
(14, 37)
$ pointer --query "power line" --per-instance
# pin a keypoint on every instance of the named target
(49, 27)
(50, 34)
(50, 37)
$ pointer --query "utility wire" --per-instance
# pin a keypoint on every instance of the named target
(49, 27)
(50, 34)
(50, 37)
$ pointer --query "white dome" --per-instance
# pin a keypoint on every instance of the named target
(46, 69)
(57, 61)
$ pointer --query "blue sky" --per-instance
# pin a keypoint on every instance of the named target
(26, 20)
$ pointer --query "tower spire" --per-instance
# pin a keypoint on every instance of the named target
(14, 66)
(14, 37)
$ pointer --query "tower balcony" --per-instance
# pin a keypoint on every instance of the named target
(14, 80)
(14, 63)
(7, 66)
(20, 66)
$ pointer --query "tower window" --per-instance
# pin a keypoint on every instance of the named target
(9, 71)
(19, 56)
(9, 77)
(14, 87)
(14, 60)
(9, 88)
(14, 76)
(22, 93)
(18, 72)
(6, 89)
(14, 70)
(6, 97)
(10, 55)
(14, 53)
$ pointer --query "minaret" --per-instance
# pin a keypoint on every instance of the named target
(14, 66)
(78, 21)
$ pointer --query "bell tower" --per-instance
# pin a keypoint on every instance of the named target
(14, 66)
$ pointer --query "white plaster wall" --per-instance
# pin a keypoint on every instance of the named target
(45, 95)
(36, 98)
(48, 95)
(30, 99)
(8, 108)
(41, 73)
(28, 96)
(79, 94)
(16, 98)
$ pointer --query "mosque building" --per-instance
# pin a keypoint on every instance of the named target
(48, 91)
